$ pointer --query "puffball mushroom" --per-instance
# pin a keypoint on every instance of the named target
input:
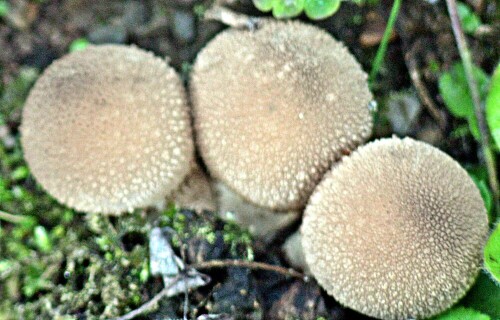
(261, 222)
(396, 230)
(293, 252)
(274, 108)
(195, 192)
(107, 129)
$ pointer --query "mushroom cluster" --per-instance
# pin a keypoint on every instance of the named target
(393, 229)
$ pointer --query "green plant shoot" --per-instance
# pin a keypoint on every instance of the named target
(493, 107)
(492, 254)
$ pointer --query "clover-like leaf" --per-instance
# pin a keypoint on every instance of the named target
(264, 5)
(320, 9)
(287, 8)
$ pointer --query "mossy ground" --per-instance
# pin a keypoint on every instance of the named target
(59, 264)
(56, 263)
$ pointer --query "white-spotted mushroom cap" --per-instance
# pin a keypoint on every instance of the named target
(396, 230)
(275, 107)
(107, 129)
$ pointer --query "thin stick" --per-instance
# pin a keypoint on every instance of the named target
(250, 265)
(186, 302)
(231, 18)
(423, 92)
(478, 108)
(150, 305)
(379, 57)
(12, 218)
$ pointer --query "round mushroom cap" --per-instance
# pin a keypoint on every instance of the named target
(107, 129)
(396, 230)
(275, 107)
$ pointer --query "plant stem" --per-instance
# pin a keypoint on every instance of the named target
(379, 57)
(231, 18)
(12, 218)
(466, 58)
(422, 91)
(151, 304)
(248, 264)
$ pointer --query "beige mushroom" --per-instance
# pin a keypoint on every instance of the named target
(275, 107)
(294, 254)
(261, 222)
(396, 230)
(195, 193)
(107, 129)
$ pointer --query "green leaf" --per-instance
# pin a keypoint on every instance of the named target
(461, 313)
(5, 193)
(287, 8)
(454, 89)
(14, 94)
(462, 130)
(42, 239)
(478, 172)
(144, 273)
(34, 281)
(264, 5)
(493, 107)
(482, 185)
(473, 126)
(5, 265)
(484, 296)
(492, 254)
(470, 20)
(199, 10)
(487, 196)
(320, 9)
(78, 44)
(4, 8)
(20, 173)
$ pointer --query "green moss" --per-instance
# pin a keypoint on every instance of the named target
(59, 264)
(90, 270)
(56, 263)
(239, 240)
(14, 94)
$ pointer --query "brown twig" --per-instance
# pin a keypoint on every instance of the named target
(250, 265)
(231, 18)
(422, 91)
(149, 306)
(465, 55)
